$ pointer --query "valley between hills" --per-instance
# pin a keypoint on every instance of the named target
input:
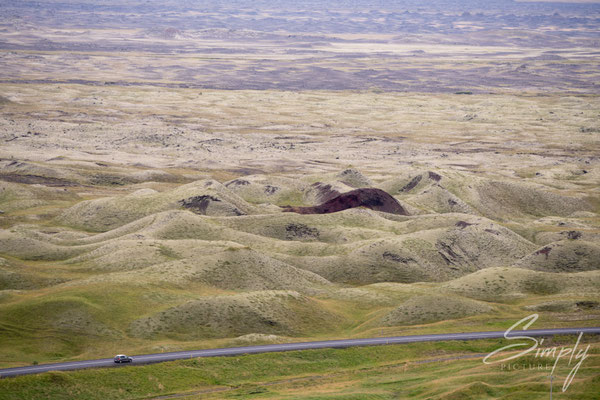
(117, 237)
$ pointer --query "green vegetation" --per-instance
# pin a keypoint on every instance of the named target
(448, 370)
(189, 249)
(428, 308)
(158, 276)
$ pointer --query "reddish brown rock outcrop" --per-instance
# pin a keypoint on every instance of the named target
(375, 199)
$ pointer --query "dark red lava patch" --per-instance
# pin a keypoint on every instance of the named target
(36, 180)
(293, 231)
(375, 199)
(545, 251)
(324, 191)
(237, 182)
(434, 176)
(463, 224)
(397, 258)
(410, 185)
(198, 204)
(271, 189)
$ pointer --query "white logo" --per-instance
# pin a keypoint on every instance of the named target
(529, 345)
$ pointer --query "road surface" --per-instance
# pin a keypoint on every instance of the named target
(326, 344)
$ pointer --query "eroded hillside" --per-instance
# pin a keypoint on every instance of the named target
(176, 238)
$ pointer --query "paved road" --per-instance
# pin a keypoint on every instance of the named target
(178, 355)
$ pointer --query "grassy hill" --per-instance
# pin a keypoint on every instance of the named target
(202, 264)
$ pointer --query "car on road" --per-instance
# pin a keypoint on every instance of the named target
(122, 358)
